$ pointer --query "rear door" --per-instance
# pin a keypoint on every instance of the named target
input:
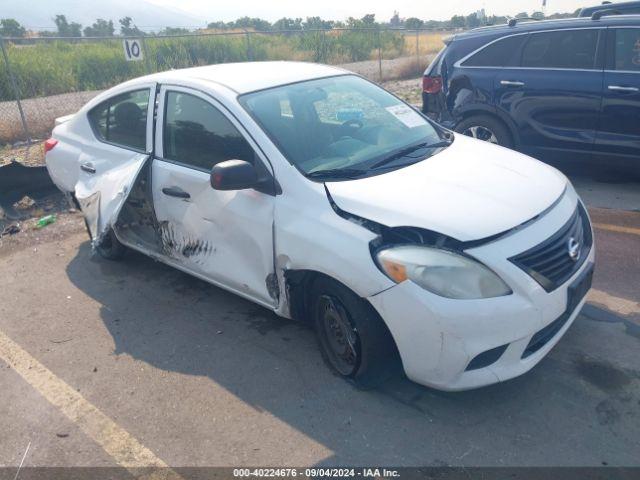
(618, 139)
(223, 236)
(554, 94)
(109, 163)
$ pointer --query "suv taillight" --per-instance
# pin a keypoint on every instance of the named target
(432, 84)
(49, 144)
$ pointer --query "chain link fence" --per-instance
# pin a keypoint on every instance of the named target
(45, 78)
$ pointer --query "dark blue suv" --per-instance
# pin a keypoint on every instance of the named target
(559, 90)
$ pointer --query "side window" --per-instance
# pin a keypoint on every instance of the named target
(122, 119)
(197, 134)
(501, 53)
(574, 49)
(627, 49)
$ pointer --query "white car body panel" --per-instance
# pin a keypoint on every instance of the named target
(248, 242)
(487, 189)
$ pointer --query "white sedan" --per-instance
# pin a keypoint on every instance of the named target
(319, 195)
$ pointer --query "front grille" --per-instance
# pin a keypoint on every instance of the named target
(549, 263)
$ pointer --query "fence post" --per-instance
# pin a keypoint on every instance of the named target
(246, 33)
(147, 63)
(379, 55)
(16, 91)
(417, 50)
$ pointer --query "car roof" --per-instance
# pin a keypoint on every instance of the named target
(247, 76)
(541, 25)
(587, 11)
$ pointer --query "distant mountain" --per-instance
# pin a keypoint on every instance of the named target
(39, 14)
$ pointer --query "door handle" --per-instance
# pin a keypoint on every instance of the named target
(619, 88)
(87, 167)
(175, 192)
(511, 83)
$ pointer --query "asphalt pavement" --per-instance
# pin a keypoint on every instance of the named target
(134, 363)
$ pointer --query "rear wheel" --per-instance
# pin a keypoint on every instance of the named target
(353, 339)
(110, 247)
(486, 128)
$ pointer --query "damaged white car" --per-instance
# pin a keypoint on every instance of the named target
(319, 195)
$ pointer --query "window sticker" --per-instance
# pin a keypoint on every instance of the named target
(408, 116)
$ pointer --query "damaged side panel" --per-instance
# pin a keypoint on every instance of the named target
(225, 236)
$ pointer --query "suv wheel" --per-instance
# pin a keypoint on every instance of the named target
(487, 129)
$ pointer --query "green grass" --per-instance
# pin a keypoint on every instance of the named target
(53, 67)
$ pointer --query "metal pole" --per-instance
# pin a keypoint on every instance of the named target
(147, 63)
(417, 50)
(246, 32)
(16, 92)
(379, 55)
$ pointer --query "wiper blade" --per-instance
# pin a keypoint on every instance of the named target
(337, 173)
(414, 148)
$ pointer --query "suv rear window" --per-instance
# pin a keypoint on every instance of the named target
(122, 119)
(501, 53)
(627, 49)
(572, 49)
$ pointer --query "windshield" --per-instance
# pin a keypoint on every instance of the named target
(343, 127)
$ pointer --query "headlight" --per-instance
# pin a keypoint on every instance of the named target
(441, 272)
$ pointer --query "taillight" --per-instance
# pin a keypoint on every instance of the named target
(49, 144)
(432, 84)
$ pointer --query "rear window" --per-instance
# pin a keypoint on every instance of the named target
(501, 53)
(571, 49)
(122, 119)
(627, 49)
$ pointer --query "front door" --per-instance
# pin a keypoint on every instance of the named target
(618, 138)
(554, 94)
(223, 236)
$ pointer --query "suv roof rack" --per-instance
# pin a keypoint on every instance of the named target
(513, 21)
(598, 14)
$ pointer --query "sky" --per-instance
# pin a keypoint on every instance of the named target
(341, 9)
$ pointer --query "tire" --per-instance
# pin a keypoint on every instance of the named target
(110, 247)
(354, 340)
(487, 128)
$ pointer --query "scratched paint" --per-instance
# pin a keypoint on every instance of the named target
(176, 244)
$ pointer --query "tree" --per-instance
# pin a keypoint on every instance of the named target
(537, 15)
(316, 23)
(66, 29)
(472, 21)
(127, 30)
(395, 20)
(174, 31)
(458, 21)
(218, 25)
(11, 28)
(257, 24)
(413, 23)
(286, 23)
(522, 15)
(101, 28)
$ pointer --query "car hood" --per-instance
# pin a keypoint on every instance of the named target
(469, 191)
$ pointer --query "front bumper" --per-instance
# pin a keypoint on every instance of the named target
(438, 337)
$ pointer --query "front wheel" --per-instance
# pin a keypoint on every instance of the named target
(353, 339)
(486, 128)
